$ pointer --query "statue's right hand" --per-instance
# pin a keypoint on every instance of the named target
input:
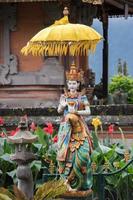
(63, 101)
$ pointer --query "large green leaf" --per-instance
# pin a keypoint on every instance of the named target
(38, 146)
(12, 173)
(94, 156)
(42, 138)
(104, 149)
(120, 150)
(6, 157)
(36, 165)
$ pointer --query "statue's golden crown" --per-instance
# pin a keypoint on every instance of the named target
(74, 74)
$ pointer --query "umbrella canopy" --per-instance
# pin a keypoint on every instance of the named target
(62, 38)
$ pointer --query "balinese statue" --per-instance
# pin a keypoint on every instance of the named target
(74, 143)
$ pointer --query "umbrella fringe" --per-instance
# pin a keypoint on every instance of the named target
(58, 48)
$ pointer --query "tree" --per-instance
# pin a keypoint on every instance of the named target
(125, 69)
(119, 67)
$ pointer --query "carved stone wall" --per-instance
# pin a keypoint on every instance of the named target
(8, 24)
(15, 68)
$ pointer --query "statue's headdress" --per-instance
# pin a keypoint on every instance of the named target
(74, 74)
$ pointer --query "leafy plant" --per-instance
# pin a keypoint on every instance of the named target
(124, 84)
(130, 96)
(46, 146)
(110, 159)
(7, 167)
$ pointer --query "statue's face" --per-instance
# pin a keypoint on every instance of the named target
(72, 85)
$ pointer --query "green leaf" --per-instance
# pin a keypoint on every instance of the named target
(42, 138)
(38, 146)
(112, 180)
(122, 163)
(36, 165)
(124, 174)
(12, 173)
(119, 150)
(105, 149)
(6, 157)
(7, 148)
(130, 170)
(94, 156)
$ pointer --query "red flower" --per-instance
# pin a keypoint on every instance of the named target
(2, 135)
(33, 126)
(14, 132)
(1, 121)
(49, 129)
(55, 139)
(111, 129)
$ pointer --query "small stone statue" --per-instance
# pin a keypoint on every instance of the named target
(74, 144)
(13, 64)
(120, 97)
(4, 72)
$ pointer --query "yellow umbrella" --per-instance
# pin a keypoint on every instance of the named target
(62, 36)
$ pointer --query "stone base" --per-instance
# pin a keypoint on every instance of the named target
(78, 195)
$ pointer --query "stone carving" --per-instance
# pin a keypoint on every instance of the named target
(9, 67)
(13, 63)
(7, 70)
(120, 97)
(11, 14)
(51, 73)
(4, 71)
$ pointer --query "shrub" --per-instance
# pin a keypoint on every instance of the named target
(124, 83)
(130, 96)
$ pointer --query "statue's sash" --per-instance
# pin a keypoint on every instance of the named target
(64, 135)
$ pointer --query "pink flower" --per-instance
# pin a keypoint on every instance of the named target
(14, 132)
(33, 126)
(111, 129)
(55, 139)
(49, 129)
(1, 121)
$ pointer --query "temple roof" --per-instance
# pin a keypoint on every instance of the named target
(119, 7)
(11, 1)
(114, 7)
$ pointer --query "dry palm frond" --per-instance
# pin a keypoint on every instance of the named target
(4, 197)
(50, 190)
(19, 195)
(7, 192)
